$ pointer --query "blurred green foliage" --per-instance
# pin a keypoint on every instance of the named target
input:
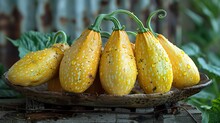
(205, 52)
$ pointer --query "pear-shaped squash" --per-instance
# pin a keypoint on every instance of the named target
(117, 65)
(185, 72)
(80, 63)
(37, 67)
(154, 68)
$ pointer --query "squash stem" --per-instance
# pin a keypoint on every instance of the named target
(96, 25)
(161, 14)
(105, 34)
(115, 21)
(131, 33)
(130, 14)
(64, 37)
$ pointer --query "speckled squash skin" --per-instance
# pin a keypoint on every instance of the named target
(154, 67)
(133, 47)
(185, 72)
(37, 67)
(118, 70)
(79, 65)
(96, 87)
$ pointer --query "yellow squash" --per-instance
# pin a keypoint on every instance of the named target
(133, 47)
(80, 63)
(185, 72)
(154, 68)
(117, 65)
(37, 67)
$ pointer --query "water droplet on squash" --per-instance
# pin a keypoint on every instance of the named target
(44, 54)
(184, 73)
(153, 65)
(167, 59)
(123, 46)
(182, 52)
(72, 63)
(188, 66)
(159, 59)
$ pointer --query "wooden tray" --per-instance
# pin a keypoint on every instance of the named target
(41, 94)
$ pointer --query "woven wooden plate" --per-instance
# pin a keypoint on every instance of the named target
(40, 93)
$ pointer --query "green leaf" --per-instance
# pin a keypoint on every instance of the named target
(105, 34)
(209, 67)
(212, 115)
(34, 41)
(191, 49)
(3, 85)
(196, 102)
(205, 96)
(205, 117)
(215, 25)
(213, 58)
(9, 93)
(206, 10)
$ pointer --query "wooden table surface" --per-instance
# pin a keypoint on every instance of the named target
(26, 110)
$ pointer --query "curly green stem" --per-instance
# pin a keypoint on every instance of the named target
(135, 18)
(96, 25)
(131, 33)
(105, 34)
(64, 37)
(161, 14)
(115, 21)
